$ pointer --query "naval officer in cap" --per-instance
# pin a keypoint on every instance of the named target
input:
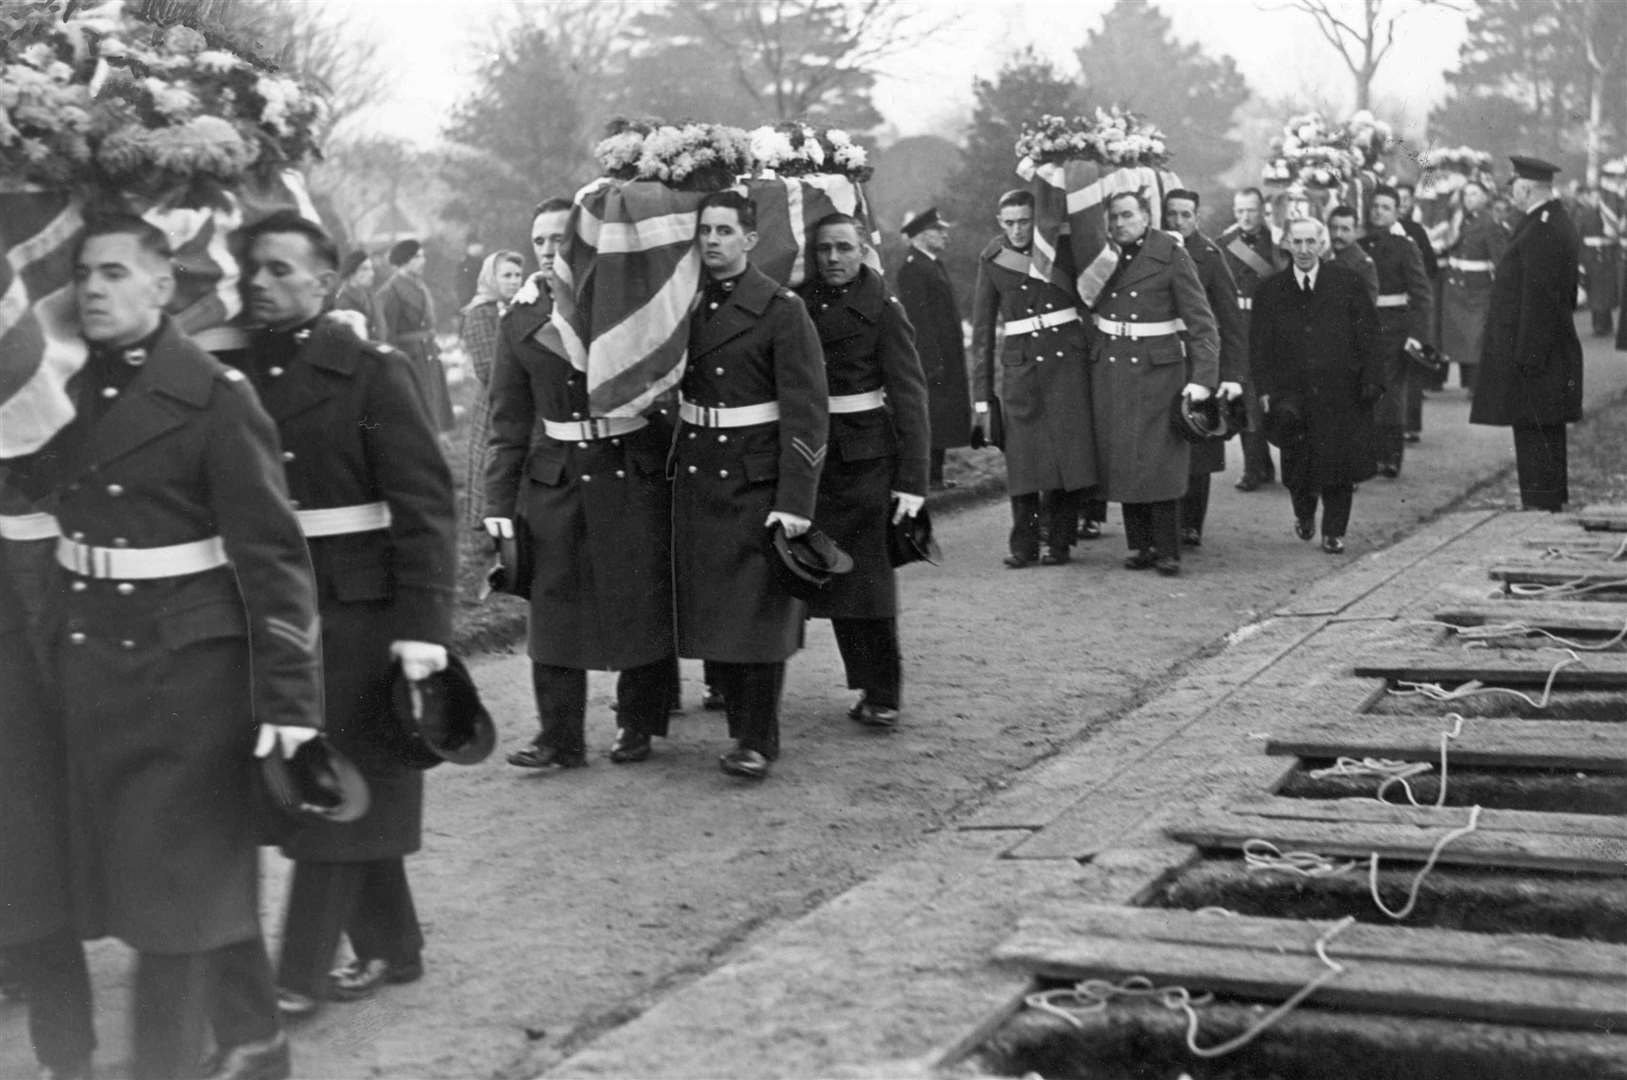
(929, 302)
(1530, 375)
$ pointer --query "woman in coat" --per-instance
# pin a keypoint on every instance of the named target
(407, 322)
(498, 281)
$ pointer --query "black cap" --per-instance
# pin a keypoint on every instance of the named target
(920, 222)
(1530, 168)
(404, 252)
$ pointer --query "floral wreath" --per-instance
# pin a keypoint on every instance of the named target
(703, 157)
(797, 149)
(1311, 152)
(1113, 136)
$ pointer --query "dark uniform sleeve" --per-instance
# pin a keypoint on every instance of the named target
(905, 383)
(1221, 290)
(248, 495)
(1369, 277)
(1420, 295)
(985, 310)
(513, 411)
(405, 460)
(799, 386)
(1192, 307)
(389, 311)
(1365, 340)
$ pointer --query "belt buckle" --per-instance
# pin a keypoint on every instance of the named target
(596, 428)
(101, 561)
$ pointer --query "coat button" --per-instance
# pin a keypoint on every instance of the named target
(621, 474)
(1132, 359)
(576, 416)
(691, 434)
(274, 372)
(294, 503)
(115, 490)
(120, 542)
(723, 472)
(79, 586)
(110, 392)
(125, 588)
(615, 442)
(77, 637)
(582, 445)
(692, 468)
(127, 644)
(288, 455)
(717, 371)
(78, 537)
(1039, 359)
(722, 438)
(1059, 356)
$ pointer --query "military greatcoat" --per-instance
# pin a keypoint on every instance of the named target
(353, 433)
(759, 346)
(406, 321)
(1466, 295)
(868, 346)
(1400, 267)
(1043, 387)
(1531, 359)
(598, 511)
(1599, 257)
(929, 301)
(164, 680)
(1134, 381)
(1221, 291)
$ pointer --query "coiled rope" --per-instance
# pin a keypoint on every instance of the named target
(1474, 687)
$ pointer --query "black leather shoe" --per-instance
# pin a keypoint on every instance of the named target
(1412, 436)
(1333, 545)
(1305, 528)
(547, 757)
(1389, 472)
(713, 701)
(1141, 560)
(1056, 557)
(295, 1006)
(1090, 530)
(264, 1060)
(1017, 562)
(1167, 565)
(744, 761)
(876, 716)
(630, 746)
(1247, 483)
(1191, 538)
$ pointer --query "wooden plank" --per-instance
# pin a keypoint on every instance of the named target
(1501, 978)
(1435, 819)
(1515, 667)
(1587, 545)
(1508, 850)
(1559, 616)
(1559, 572)
(1551, 744)
(1602, 518)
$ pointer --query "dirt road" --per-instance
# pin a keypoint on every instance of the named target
(558, 907)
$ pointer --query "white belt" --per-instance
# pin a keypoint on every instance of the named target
(1471, 266)
(1597, 241)
(1395, 299)
(1245, 303)
(600, 427)
(1139, 330)
(40, 526)
(741, 416)
(341, 520)
(846, 403)
(1041, 322)
(174, 560)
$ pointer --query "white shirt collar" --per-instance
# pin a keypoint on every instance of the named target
(1301, 275)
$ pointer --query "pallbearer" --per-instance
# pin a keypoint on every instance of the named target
(1405, 315)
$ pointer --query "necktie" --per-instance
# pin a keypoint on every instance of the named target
(1305, 283)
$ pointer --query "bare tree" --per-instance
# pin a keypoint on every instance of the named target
(1363, 31)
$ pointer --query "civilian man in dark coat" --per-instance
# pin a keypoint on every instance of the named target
(929, 301)
(747, 457)
(1530, 375)
(1313, 351)
(592, 493)
(1043, 391)
(374, 499)
(186, 609)
(877, 468)
(406, 321)
(1181, 216)
(1252, 256)
(38, 938)
(1405, 315)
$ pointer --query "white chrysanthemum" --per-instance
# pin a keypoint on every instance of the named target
(770, 148)
(217, 61)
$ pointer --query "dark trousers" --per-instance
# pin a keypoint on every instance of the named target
(1061, 510)
(870, 655)
(368, 902)
(935, 459)
(1336, 502)
(1466, 376)
(180, 997)
(1603, 324)
(52, 973)
(751, 702)
(1094, 509)
(1154, 526)
(1195, 503)
(1256, 451)
(642, 696)
(1541, 460)
(1391, 443)
(1415, 399)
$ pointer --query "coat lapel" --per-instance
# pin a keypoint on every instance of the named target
(737, 314)
(308, 382)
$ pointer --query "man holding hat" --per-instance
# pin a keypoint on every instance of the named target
(876, 472)
(407, 322)
(1530, 374)
(374, 500)
(929, 302)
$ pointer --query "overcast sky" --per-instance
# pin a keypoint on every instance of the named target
(1279, 51)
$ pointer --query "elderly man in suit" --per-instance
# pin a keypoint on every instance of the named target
(747, 455)
(929, 303)
(1530, 375)
(1313, 352)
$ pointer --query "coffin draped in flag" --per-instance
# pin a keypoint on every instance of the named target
(40, 347)
(788, 208)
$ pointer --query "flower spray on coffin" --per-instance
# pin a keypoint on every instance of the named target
(804, 174)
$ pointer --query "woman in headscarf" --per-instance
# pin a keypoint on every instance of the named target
(498, 281)
(356, 276)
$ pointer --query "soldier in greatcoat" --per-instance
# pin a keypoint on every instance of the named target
(1598, 228)
(746, 457)
(876, 470)
(1252, 256)
(1181, 216)
(1405, 316)
(38, 938)
(1344, 243)
(1530, 374)
(929, 302)
(374, 500)
(593, 497)
(1156, 339)
(406, 321)
(1313, 351)
(1042, 390)
(1474, 244)
(185, 614)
